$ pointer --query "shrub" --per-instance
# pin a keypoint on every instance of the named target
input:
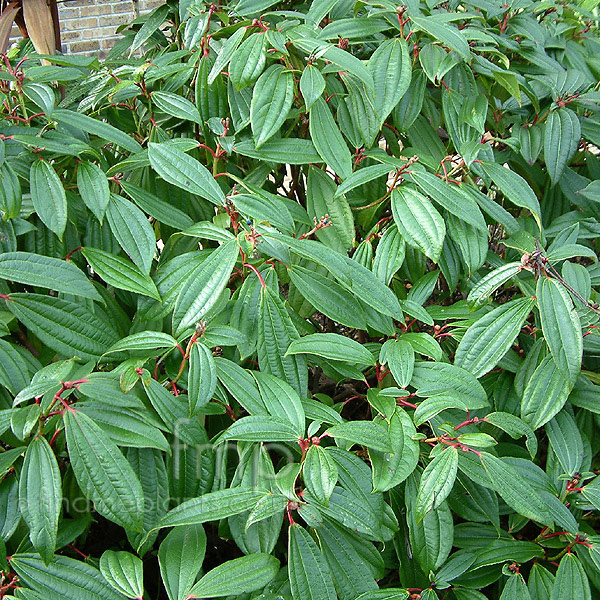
(299, 305)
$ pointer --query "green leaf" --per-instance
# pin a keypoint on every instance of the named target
(102, 472)
(260, 428)
(144, 340)
(437, 481)
(40, 496)
(185, 172)
(248, 61)
(124, 572)
(514, 188)
(292, 151)
(400, 358)
(450, 197)
(237, 576)
(328, 140)
(561, 327)
(545, 394)
(332, 346)
(68, 328)
(490, 337)
(47, 272)
(153, 22)
(213, 506)
(275, 334)
(120, 273)
(362, 176)
(390, 67)
(510, 83)
(392, 468)
(281, 400)
(93, 188)
(133, 231)
(271, 101)
(419, 223)
(96, 127)
(487, 285)
(328, 297)
(319, 473)
(48, 196)
(162, 211)
(365, 433)
(176, 106)
(180, 556)
(312, 85)
(202, 377)
(320, 201)
(571, 580)
(445, 33)
(561, 139)
(310, 577)
(515, 490)
(225, 54)
(68, 578)
(204, 286)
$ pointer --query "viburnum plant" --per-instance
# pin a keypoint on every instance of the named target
(298, 305)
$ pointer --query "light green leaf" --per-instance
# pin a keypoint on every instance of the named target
(292, 151)
(93, 188)
(144, 340)
(365, 433)
(281, 400)
(487, 285)
(561, 139)
(271, 101)
(67, 578)
(133, 231)
(176, 106)
(213, 506)
(312, 85)
(571, 580)
(260, 428)
(180, 557)
(202, 377)
(514, 188)
(319, 473)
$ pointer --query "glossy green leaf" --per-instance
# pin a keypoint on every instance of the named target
(180, 556)
(332, 346)
(245, 574)
(419, 223)
(120, 273)
(176, 106)
(102, 472)
(437, 481)
(328, 140)
(310, 577)
(271, 102)
(561, 327)
(124, 572)
(206, 282)
(93, 188)
(489, 338)
(40, 496)
(185, 172)
(561, 139)
(48, 196)
(202, 377)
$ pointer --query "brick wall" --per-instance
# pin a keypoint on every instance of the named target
(89, 26)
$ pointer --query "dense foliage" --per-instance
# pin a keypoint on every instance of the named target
(299, 305)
